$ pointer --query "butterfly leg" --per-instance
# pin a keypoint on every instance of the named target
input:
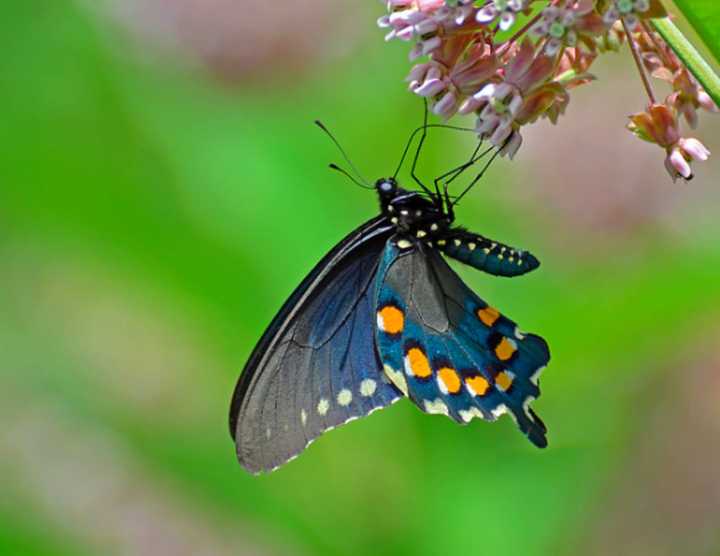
(417, 156)
(479, 175)
(448, 177)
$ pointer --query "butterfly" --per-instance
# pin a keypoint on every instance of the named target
(383, 317)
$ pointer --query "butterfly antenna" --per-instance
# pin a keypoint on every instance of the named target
(349, 176)
(345, 156)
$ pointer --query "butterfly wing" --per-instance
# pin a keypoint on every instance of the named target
(316, 365)
(449, 351)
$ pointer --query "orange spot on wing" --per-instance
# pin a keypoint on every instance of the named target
(391, 319)
(418, 363)
(488, 315)
(503, 381)
(505, 349)
(478, 385)
(450, 379)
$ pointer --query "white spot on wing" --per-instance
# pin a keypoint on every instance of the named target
(368, 387)
(534, 377)
(380, 322)
(404, 244)
(323, 406)
(397, 378)
(441, 385)
(436, 407)
(526, 406)
(468, 414)
(303, 417)
(344, 397)
(519, 334)
(499, 410)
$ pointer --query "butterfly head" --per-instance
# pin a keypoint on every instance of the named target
(410, 211)
(387, 188)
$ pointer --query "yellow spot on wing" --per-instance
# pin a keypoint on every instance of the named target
(488, 315)
(477, 385)
(505, 349)
(417, 364)
(449, 379)
(391, 319)
(503, 381)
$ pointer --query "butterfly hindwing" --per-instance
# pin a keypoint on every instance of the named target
(316, 367)
(447, 349)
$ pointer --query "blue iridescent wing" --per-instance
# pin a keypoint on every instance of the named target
(316, 366)
(447, 350)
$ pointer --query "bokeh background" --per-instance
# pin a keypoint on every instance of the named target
(163, 189)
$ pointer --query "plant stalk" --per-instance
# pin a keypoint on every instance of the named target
(689, 55)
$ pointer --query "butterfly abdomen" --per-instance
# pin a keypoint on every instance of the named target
(487, 255)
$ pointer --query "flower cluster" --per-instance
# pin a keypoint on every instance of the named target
(512, 62)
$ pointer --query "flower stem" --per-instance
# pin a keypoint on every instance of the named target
(525, 28)
(638, 62)
(706, 27)
(690, 57)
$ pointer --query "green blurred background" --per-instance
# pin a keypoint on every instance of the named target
(163, 190)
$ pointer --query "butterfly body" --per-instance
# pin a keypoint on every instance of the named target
(383, 317)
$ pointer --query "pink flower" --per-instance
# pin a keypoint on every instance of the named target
(562, 25)
(678, 159)
(632, 11)
(471, 66)
(659, 125)
(458, 70)
(656, 125)
(688, 96)
(504, 10)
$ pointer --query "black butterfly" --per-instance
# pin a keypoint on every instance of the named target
(381, 317)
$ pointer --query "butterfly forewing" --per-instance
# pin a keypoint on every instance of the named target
(316, 366)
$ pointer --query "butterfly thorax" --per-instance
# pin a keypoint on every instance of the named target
(412, 214)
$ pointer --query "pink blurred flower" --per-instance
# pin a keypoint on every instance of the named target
(688, 96)
(632, 11)
(503, 10)
(677, 162)
(566, 23)
(659, 125)
(508, 83)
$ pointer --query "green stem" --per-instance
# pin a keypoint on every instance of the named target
(689, 56)
(704, 22)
